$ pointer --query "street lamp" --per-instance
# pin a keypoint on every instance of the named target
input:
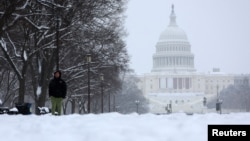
(88, 58)
(217, 92)
(137, 105)
(114, 107)
(170, 106)
(102, 79)
(57, 41)
(219, 102)
(56, 14)
(88, 61)
(109, 96)
(204, 101)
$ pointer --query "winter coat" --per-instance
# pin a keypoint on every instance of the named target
(57, 88)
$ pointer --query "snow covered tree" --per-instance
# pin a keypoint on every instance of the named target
(98, 32)
(13, 14)
(235, 97)
(37, 37)
(131, 99)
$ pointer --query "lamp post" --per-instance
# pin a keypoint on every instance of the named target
(170, 106)
(137, 105)
(219, 102)
(114, 109)
(57, 41)
(204, 101)
(109, 102)
(109, 96)
(56, 13)
(88, 61)
(217, 92)
(102, 79)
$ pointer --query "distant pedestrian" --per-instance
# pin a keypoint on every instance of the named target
(57, 92)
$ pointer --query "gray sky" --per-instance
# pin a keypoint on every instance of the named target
(218, 31)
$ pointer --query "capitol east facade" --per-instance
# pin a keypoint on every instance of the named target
(173, 81)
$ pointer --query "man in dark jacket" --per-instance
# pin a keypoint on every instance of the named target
(57, 92)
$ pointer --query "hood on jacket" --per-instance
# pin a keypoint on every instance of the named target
(60, 74)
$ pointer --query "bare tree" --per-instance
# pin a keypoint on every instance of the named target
(235, 97)
(14, 13)
(131, 99)
(99, 32)
(37, 37)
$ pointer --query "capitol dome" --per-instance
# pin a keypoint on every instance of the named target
(173, 33)
(173, 50)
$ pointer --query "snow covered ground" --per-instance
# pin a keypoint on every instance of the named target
(114, 127)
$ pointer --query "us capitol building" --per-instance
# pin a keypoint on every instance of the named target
(173, 81)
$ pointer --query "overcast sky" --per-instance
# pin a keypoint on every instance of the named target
(218, 31)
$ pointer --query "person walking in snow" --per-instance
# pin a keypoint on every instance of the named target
(57, 92)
